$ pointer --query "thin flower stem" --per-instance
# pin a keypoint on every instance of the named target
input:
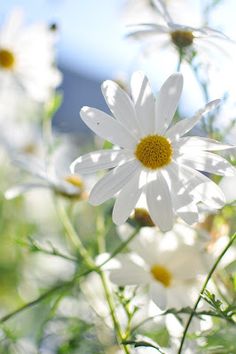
(108, 294)
(180, 59)
(111, 305)
(203, 289)
(73, 236)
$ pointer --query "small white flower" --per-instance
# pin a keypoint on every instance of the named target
(154, 158)
(27, 57)
(43, 176)
(162, 267)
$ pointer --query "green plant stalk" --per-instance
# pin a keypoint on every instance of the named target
(67, 284)
(73, 236)
(203, 289)
(102, 248)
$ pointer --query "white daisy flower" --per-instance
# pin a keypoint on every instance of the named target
(27, 57)
(182, 37)
(45, 177)
(154, 158)
(158, 264)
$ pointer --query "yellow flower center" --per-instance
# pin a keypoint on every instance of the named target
(182, 39)
(76, 181)
(7, 59)
(154, 151)
(162, 275)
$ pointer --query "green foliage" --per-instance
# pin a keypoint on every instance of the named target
(228, 312)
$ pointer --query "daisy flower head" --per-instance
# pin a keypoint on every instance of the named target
(186, 39)
(159, 262)
(27, 56)
(46, 177)
(154, 159)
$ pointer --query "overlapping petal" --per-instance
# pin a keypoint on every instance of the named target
(107, 128)
(113, 182)
(100, 160)
(144, 102)
(167, 102)
(159, 202)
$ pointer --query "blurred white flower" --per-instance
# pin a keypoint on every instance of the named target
(45, 176)
(27, 57)
(184, 38)
(154, 159)
(161, 264)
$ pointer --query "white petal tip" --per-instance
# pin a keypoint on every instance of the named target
(84, 109)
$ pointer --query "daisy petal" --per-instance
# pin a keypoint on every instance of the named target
(16, 191)
(159, 202)
(127, 199)
(189, 213)
(113, 182)
(203, 189)
(185, 125)
(167, 102)
(121, 106)
(129, 273)
(158, 295)
(199, 143)
(144, 102)
(100, 160)
(107, 128)
(208, 162)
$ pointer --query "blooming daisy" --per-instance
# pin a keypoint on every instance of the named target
(45, 177)
(154, 159)
(27, 57)
(159, 263)
(184, 38)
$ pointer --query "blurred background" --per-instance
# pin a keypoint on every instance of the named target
(92, 47)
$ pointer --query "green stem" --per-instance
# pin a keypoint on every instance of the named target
(203, 289)
(108, 294)
(73, 236)
(69, 283)
(180, 59)
(111, 305)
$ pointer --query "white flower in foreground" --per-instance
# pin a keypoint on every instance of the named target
(154, 158)
(181, 37)
(27, 57)
(172, 273)
(45, 177)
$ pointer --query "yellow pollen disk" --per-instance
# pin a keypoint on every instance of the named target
(75, 181)
(182, 39)
(162, 275)
(7, 59)
(154, 151)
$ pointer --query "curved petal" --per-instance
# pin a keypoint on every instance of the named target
(127, 199)
(208, 162)
(159, 202)
(144, 102)
(113, 182)
(202, 188)
(121, 106)
(107, 128)
(199, 143)
(20, 189)
(145, 30)
(100, 160)
(182, 127)
(129, 273)
(167, 102)
(158, 294)
(189, 213)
